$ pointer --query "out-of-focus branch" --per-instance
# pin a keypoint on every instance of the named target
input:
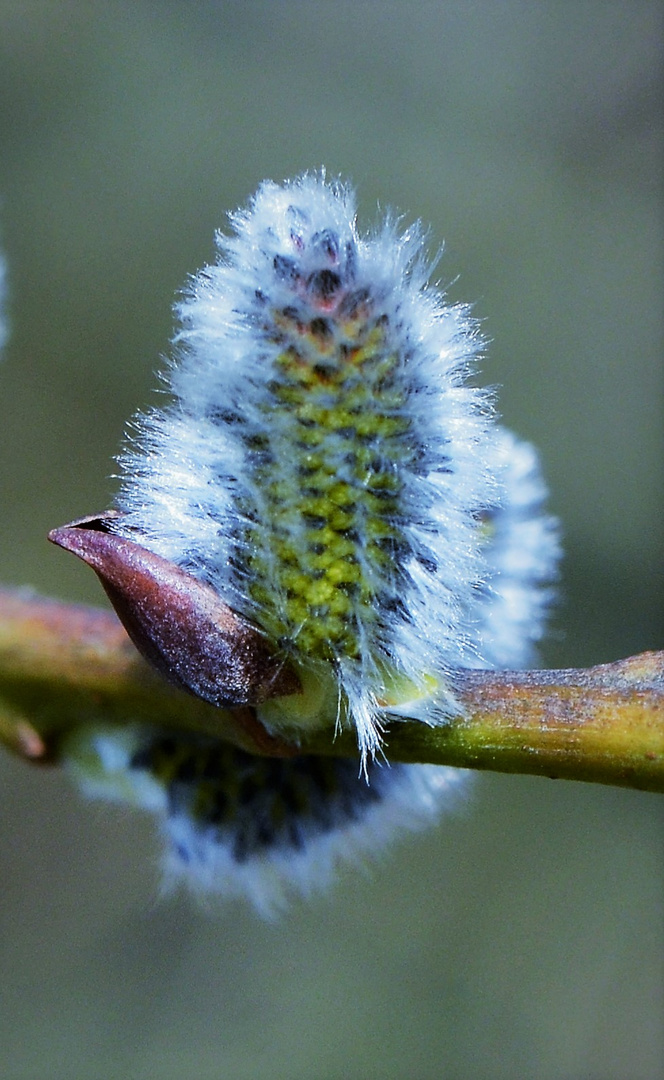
(62, 666)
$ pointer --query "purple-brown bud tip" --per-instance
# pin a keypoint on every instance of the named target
(178, 623)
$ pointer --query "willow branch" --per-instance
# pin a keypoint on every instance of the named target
(63, 665)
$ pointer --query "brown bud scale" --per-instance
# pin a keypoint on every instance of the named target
(177, 623)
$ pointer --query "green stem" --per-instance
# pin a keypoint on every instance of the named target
(62, 666)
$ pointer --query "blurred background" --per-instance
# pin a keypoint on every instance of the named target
(524, 937)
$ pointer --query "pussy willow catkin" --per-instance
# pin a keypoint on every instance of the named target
(326, 467)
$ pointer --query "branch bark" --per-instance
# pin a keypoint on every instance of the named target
(63, 665)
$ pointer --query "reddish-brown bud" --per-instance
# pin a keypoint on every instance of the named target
(178, 623)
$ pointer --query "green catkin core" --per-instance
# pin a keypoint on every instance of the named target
(329, 487)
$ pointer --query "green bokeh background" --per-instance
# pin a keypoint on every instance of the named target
(524, 937)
